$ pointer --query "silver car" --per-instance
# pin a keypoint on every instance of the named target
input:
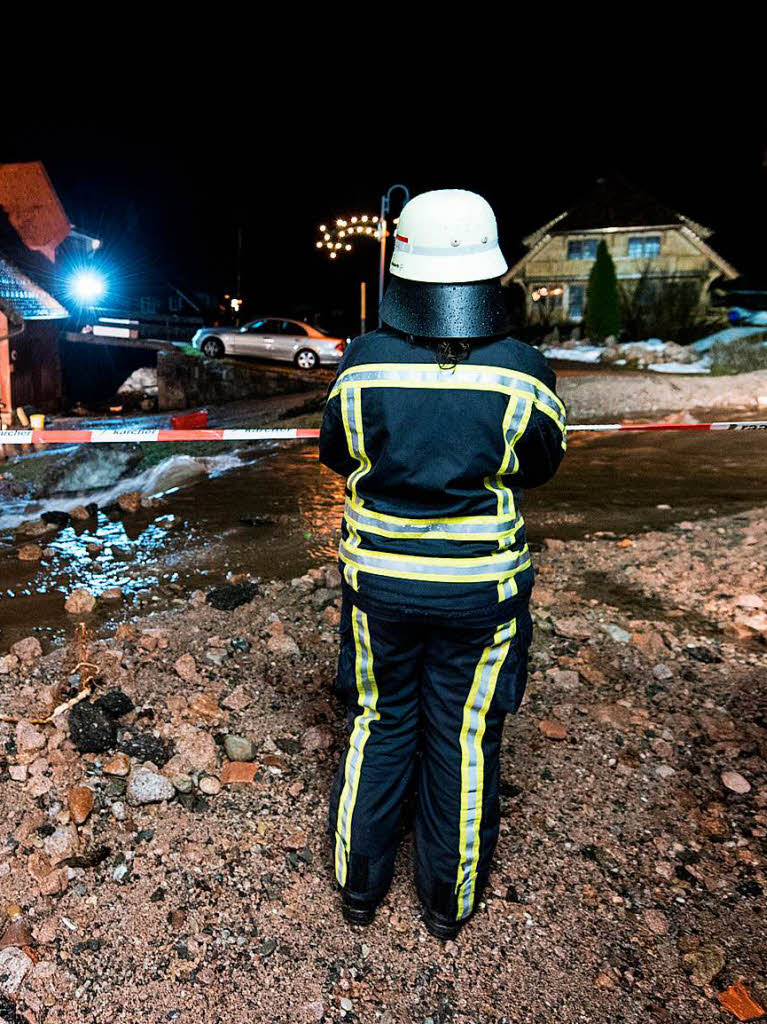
(290, 341)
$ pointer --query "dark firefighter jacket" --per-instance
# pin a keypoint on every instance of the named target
(435, 460)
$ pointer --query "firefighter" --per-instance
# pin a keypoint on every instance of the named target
(438, 420)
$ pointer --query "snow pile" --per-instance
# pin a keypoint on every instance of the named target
(141, 382)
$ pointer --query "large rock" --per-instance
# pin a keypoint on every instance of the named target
(28, 649)
(14, 967)
(148, 787)
(28, 738)
(61, 844)
(89, 467)
(91, 729)
(80, 602)
(196, 751)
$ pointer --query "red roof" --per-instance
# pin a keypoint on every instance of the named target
(33, 208)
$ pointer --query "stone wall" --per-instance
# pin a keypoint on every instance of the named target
(184, 381)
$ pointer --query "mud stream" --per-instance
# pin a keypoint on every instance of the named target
(274, 514)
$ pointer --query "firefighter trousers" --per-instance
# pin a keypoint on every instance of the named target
(427, 705)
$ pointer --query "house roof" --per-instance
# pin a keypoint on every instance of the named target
(616, 203)
(33, 207)
(25, 297)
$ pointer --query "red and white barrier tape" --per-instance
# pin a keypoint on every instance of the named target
(300, 433)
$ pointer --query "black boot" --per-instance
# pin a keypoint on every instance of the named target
(439, 926)
(357, 911)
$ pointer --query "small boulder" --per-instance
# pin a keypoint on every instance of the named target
(118, 765)
(148, 787)
(235, 772)
(15, 965)
(186, 667)
(80, 602)
(8, 664)
(80, 801)
(61, 844)
(28, 738)
(283, 646)
(91, 729)
(735, 782)
(317, 737)
(130, 502)
(30, 553)
(238, 748)
(28, 649)
(552, 729)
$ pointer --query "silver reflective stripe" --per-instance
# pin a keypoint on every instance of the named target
(440, 251)
(433, 529)
(488, 567)
(490, 379)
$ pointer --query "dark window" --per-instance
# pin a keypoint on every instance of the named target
(291, 327)
(260, 327)
(582, 249)
(175, 303)
(644, 246)
(149, 304)
(575, 308)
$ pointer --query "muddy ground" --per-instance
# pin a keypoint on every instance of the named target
(629, 879)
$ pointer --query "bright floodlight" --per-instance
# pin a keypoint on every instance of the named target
(87, 286)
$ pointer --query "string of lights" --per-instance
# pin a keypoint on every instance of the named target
(338, 238)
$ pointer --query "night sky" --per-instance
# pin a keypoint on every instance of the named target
(166, 179)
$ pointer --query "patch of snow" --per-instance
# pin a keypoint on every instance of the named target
(142, 381)
(701, 366)
(582, 354)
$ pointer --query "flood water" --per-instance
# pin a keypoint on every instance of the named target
(276, 514)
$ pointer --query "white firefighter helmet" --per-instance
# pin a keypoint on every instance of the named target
(447, 236)
(446, 269)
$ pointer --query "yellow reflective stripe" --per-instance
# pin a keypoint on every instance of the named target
(384, 517)
(351, 410)
(455, 372)
(495, 484)
(432, 577)
(473, 762)
(367, 698)
(467, 528)
(512, 441)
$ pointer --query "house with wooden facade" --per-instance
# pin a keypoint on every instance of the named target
(646, 240)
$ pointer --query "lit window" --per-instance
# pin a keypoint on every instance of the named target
(575, 302)
(644, 247)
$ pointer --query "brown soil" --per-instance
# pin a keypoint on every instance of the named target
(629, 879)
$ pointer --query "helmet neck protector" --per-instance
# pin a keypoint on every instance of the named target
(474, 309)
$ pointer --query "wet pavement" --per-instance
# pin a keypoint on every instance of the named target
(274, 513)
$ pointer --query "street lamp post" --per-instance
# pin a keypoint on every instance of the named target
(382, 224)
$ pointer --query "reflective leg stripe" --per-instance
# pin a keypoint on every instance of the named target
(485, 569)
(367, 698)
(351, 411)
(462, 377)
(473, 762)
(500, 528)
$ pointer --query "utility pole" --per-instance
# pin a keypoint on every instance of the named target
(382, 225)
(238, 296)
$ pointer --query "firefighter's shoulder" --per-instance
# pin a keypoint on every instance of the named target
(378, 346)
(519, 355)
